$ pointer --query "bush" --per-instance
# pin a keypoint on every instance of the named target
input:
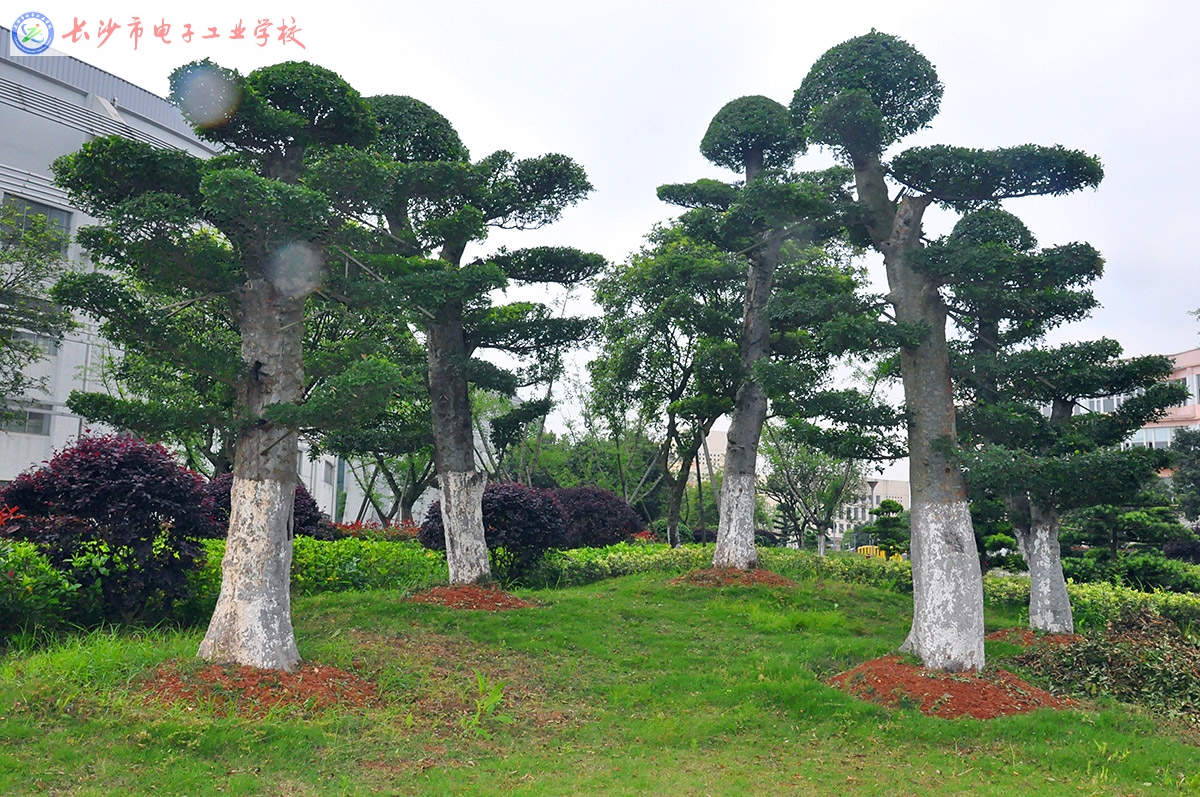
(520, 524)
(597, 518)
(307, 518)
(118, 516)
(1185, 550)
(1138, 658)
(320, 566)
(1144, 571)
(32, 592)
(403, 531)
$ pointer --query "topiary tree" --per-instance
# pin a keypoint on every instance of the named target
(120, 517)
(520, 524)
(859, 98)
(307, 518)
(597, 518)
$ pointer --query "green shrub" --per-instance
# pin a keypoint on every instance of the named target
(1139, 657)
(324, 566)
(1006, 590)
(588, 565)
(32, 593)
(855, 568)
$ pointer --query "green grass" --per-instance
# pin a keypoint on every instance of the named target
(626, 686)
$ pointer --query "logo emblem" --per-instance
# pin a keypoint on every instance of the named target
(33, 33)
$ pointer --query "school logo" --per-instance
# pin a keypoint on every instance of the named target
(33, 33)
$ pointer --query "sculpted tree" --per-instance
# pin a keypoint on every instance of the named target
(1006, 294)
(772, 210)
(429, 202)
(243, 233)
(859, 98)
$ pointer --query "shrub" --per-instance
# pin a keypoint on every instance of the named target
(1148, 571)
(1186, 550)
(118, 516)
(403, 531)
(307, 518)
(520, 524)
(597, 518)
(1138, 658)
(320, 566)
(32, 592)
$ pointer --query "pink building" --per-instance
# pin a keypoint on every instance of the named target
(1160, 434)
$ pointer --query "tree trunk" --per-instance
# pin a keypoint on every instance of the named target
(735, 531)
(947, 628)
(454, 449)
(252, 623)
(1049, 603)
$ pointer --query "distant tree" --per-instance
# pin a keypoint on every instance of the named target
(665, 362)
(890, 529)
(808, 486)
(859, 98)
(31, 259)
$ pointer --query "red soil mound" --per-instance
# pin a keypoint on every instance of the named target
(891, 681)
(251, 692)
(732, 577)
(471, 596)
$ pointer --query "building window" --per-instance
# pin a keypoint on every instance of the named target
(60, 220)
(30, 418)
(44, 343)
(329, 473)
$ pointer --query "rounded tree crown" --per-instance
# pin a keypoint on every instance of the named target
(901, 85)
(993, 225)
(751, 129)
(411, 131)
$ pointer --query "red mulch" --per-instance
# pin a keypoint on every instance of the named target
(471, 596)
(732, 577)
(252, 692)
(893, 682)
(1026, 637)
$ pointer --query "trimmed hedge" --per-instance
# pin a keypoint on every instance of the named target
(1094, 605)
(337, 566)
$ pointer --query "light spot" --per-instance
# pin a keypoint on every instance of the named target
(206, 97)
(295, 269)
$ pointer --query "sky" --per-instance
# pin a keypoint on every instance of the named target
(628, 88)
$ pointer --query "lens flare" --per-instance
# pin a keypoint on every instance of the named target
(206, 96)
(295, 269)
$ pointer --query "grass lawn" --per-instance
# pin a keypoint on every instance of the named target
(628, 686)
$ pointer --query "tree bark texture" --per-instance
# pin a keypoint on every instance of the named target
(947, 629)
(252, 622)
(461, 485)
(735, 531)
(1049, 603)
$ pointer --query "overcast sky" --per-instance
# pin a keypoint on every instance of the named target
(628, 88)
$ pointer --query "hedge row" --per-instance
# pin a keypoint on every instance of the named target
(1094, 605)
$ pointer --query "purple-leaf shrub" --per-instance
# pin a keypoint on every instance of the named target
(597, 518)
(118, 516)
(307, 517)
(520, 524)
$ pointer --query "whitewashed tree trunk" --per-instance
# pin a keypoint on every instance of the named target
(252, 623)
(462, 509)
(735, 531)
(947, 629)
(1049, 603)
(461, 485)
(735, 535)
